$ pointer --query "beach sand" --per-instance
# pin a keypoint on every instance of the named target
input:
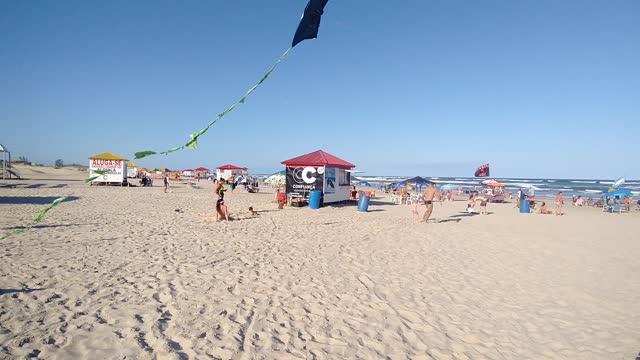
(118, 273)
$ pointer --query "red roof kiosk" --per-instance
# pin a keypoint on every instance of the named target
(318, 170)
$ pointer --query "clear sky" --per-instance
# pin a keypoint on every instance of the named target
(537, 88)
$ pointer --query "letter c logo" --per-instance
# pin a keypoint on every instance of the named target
(307, 175)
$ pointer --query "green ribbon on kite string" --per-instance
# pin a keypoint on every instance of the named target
(193, 142)
(38, 218)
(53, 204)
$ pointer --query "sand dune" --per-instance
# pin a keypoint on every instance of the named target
(119, 273)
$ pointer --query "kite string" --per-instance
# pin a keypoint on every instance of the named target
(193, 142)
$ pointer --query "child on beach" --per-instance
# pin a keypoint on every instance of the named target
(414, 211)
(544, 210)
(559, 203)
(483, 205)
(222, 213)
(219, 190)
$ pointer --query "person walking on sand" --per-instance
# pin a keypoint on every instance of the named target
(219, 190)
(428, 195)
(414, 211)
(483, 204)
(559, 203)
(166, 184)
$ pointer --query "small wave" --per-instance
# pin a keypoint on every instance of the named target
(524, 185)
(567, 189)
(456, 182)
(584, 182)
(593, 191)
(606, 182)
(551, 181)
(635, 192)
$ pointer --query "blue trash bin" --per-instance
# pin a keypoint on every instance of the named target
(524, 206)
(314, 199)
(363, 203)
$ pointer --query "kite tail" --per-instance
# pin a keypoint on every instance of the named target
(38, 218)
(193, 142)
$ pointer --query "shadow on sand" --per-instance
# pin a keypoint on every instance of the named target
(46, 226)
(11, 291)
(32, 200)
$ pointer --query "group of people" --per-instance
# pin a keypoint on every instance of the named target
(145, 180)
(431, 194)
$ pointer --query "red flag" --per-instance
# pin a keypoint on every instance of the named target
(482, 171)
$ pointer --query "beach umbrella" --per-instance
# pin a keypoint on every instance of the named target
(363, 183)
(489, 182)
(619, 192)
(618, 183)
(447, 187)
(276, 179)
(417, 181)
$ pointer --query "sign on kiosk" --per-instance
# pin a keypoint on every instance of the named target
(114, 166)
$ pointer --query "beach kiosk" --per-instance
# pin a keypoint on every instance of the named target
(229, 171)
(114, 165)
(318, 171)
(132, 170)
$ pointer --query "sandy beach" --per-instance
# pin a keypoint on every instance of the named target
(118, 273)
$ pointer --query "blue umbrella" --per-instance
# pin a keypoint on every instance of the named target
(619, 192)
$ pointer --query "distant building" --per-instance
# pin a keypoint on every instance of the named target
(229, 171)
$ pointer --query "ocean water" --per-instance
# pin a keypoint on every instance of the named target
(540, 187)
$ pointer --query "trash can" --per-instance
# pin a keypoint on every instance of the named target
(363, 203)
(314, 199)
(524, 206)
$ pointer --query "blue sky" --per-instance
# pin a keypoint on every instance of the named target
(537, 88)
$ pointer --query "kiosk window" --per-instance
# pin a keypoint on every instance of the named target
(344, 177)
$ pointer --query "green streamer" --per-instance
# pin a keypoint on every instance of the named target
(99, 172)
(38, 218)
(193, 141)
(55, 203)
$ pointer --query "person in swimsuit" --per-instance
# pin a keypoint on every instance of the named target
(222, 213)
(544, 210)
(428, 195)
(414, 211)
(559, 203)
(483, 205)
(219, 190)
